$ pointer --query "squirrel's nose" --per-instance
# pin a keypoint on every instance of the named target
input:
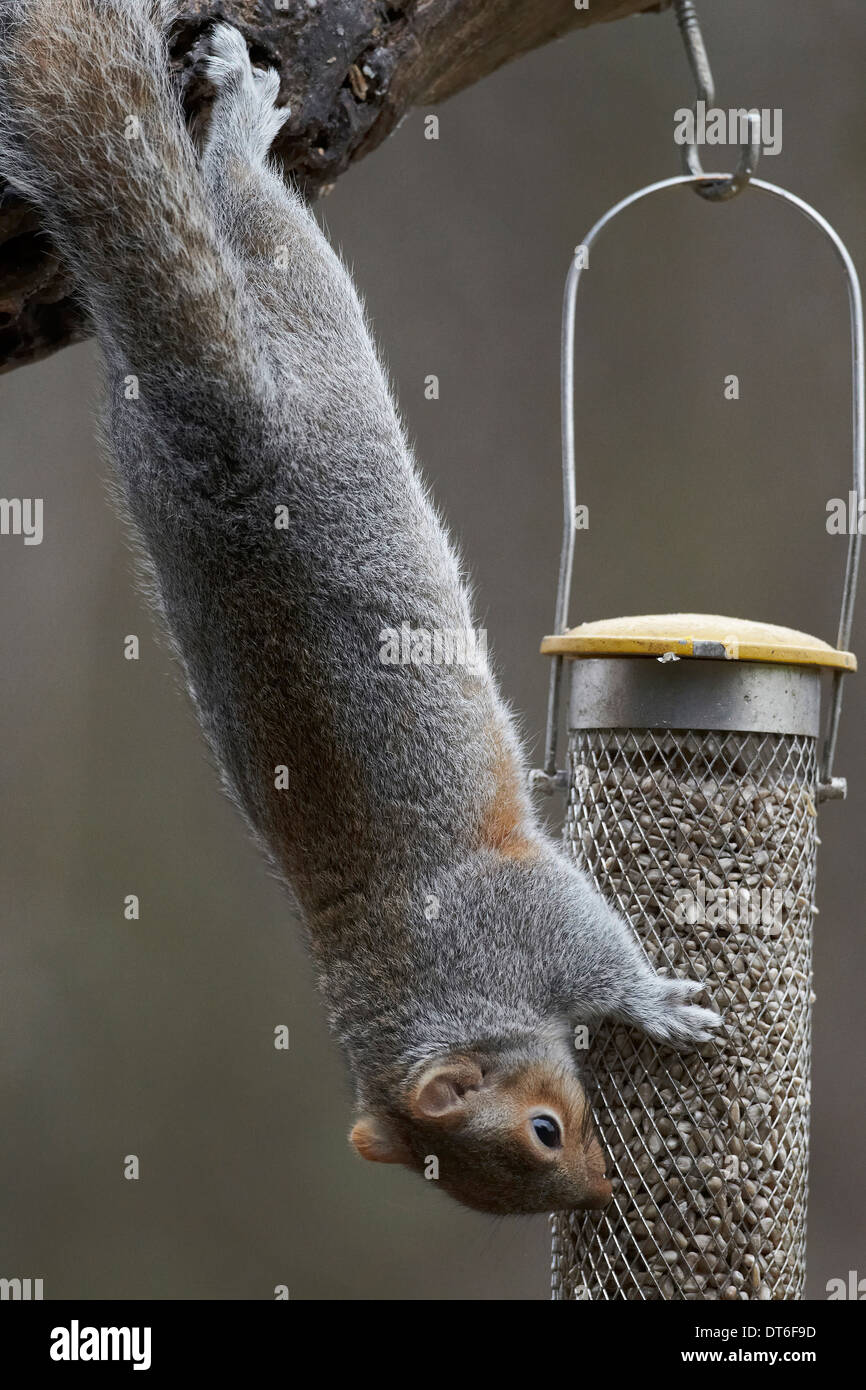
(598, 1195)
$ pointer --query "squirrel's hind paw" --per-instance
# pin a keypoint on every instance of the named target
(228, 59)
(244, 121)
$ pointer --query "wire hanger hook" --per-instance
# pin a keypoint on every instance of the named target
(715, 190)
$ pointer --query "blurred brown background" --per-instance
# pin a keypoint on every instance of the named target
(155, 1037)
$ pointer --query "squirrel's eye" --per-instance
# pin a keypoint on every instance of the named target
(546, 1129)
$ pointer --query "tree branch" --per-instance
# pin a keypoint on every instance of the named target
(350, 69)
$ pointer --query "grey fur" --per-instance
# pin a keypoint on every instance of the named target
(443, 921)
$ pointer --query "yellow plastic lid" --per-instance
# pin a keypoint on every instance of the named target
(697, 635)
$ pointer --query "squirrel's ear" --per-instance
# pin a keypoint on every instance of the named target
(441, 1092)
(376, 1141)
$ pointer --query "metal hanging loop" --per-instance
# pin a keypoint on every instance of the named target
(714, 189)
(552, 776)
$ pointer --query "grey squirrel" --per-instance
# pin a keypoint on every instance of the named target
(456, 944)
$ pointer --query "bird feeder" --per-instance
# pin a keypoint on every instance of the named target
(693, 778)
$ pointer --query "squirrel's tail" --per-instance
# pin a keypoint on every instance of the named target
(91, 129)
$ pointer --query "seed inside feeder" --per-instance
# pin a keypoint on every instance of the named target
(686, 1133)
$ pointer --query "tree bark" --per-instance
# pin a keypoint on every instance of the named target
(350, 70)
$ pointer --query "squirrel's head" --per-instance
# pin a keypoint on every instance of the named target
(502, 1132)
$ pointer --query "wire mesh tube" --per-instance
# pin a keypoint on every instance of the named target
(707, 843)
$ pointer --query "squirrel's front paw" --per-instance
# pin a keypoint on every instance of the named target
(671, 1017)
(245, 119)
